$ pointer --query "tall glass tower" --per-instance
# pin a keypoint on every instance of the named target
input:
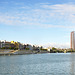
(73, 40)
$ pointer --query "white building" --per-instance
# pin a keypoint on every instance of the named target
(3, 43)
(0, 44)
(29, 46)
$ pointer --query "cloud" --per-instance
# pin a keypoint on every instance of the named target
(70, 8)
(45, 3)
(43, 15)
(24, 7)
(65, 11)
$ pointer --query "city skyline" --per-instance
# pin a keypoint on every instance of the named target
(46, 22)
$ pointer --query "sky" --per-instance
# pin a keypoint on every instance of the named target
(37, 22)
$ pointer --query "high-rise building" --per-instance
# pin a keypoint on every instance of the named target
(73, 40)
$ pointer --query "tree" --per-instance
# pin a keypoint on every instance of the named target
(41, 48)
(27, 48)
(3, 47)
(33, 47)
(53, 48)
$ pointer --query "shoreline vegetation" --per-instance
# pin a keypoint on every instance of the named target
(23, 52)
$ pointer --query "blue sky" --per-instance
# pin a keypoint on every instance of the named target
(40, 22)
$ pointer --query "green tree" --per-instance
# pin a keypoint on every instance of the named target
(27, 48)
(53, 48)
(3, 47)
(41, 48)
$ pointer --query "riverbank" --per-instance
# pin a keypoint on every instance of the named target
(23, 52)
(20, 52)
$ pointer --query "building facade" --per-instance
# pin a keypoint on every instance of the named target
(5, 44)
(18, 45)
(0, 44)
(73, 40)
(29, 46)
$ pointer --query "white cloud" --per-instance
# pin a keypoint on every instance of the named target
(45, 3)
(70, 8)
(46, 15)
(25, 7)
(66, 11)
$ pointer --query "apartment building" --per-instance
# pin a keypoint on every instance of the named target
(73, 40)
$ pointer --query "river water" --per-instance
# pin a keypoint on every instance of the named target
(38, 64)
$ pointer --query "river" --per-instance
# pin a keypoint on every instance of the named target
(38, 64)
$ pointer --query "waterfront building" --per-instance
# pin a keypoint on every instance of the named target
(73, 40)
(29, 46)
(7, 44)
(12, 45)
(18, 45)
(36, 47)
(49, 48)
(0, 44)
(24, 46)
(3, 43)
(15, 43)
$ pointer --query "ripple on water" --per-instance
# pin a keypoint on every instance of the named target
(38, 64)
